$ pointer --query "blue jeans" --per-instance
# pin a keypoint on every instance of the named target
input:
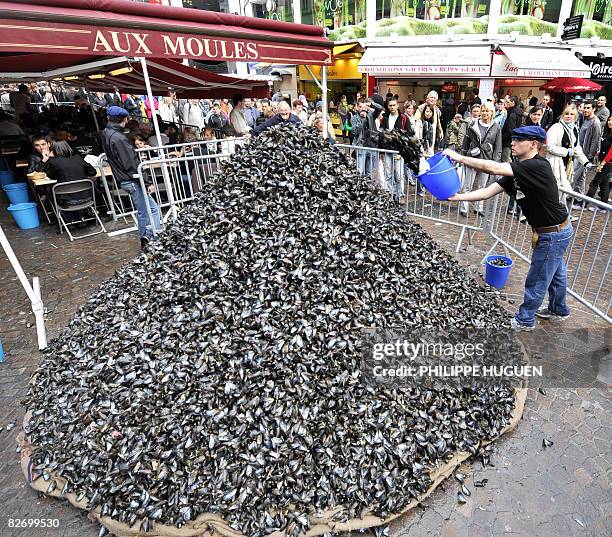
(138, 199)
(365, 161)
(547, 273)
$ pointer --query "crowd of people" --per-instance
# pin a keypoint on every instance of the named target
(578, 144)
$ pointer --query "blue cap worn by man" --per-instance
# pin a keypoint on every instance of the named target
(117, 112)
(531, 181)
(124, 161)
(532, 132)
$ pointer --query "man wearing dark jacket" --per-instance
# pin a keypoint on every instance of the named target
(124, 161)
(363, 124)
(548, 118)
(284, 116)
(39, 158)
(514, 120)
(393, 119)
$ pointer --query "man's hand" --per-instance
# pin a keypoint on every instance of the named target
(151, 189)
(457, 157)
(456, 197)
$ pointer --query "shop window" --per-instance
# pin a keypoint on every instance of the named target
(345, 19)
(407, 18)
(529, 17)
(597, 18)
(281, 10)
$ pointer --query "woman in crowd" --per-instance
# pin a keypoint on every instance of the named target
(535, 116)
(417, 128)
(563, 147)
(602, 179)
(482, 140)
(343, 113)
(427, 137)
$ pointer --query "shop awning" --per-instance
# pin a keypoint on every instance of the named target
(124, 28)
(126, 75)
(393, 60)
(537, 62)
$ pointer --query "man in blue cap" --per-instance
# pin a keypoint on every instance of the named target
(531, 180)
(124, 162)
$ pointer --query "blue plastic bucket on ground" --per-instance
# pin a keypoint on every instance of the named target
(17, 193)
(25, 215)
(6, 177)
(497, 276)
(442, 179)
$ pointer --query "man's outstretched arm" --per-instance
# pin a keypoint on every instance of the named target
(488, 166)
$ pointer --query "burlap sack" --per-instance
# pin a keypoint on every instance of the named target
(213, 525)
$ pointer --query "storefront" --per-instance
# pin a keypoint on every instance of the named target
(413, 71)
(599, 62)
(454, 71)
(343, 77)
(522, 70)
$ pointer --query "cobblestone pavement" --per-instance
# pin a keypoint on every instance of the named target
(560, 491)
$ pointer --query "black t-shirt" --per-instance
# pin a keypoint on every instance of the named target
(535, 188)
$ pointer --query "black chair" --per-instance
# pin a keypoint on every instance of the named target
(84, 187)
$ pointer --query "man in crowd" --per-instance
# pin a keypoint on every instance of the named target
(432, 100)
(164, 131)
(38, 159)
(216, 120)
(318, 125)
(548, 117)
(602, 111)
(22, 104)
(298, 110)
(364, 124)
(284, 116)
(590, 141)
(475, 98)
(467, 123)
(531, 181)
(266, 112)
(113, 99)
(124, 162)
(514, 119)
(191, 113)
(277, 97)
(500, 113)
(452, 132)
(237, 120)
(392, 119)
(250, 113)
(8, 127)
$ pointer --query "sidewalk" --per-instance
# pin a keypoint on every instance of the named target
(559, 491)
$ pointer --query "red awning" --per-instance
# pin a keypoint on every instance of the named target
(571, 85)
(123, 28)
(187, 82)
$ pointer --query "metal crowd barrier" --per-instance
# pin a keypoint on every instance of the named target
(183, 177)
(587, 258)
(469, 218)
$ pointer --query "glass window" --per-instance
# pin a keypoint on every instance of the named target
(430, 17)
(597, 17)
(281, 10)
(345, 19)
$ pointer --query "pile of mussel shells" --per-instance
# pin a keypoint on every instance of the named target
(219, 371)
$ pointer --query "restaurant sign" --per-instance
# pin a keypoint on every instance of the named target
(74, 39)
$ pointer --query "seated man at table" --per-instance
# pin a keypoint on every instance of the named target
(68, 165)
(38, 160)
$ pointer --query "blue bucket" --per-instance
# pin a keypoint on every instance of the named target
(497, 276)
(6, 177)
(25, 214)
(17, 193)
(442, 179)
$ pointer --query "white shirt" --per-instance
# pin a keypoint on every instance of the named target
(392, 120)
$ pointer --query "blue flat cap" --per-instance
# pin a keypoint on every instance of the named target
(532, 132)
(117, 111)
